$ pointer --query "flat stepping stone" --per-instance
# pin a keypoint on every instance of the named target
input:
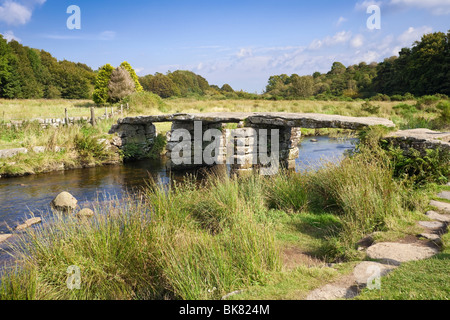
(438, 217)
(332, 292)
(432, 237)
(432, 224)
(396, 253)
(4, 237)
(442, 207)
(444, 195)
(366, 270)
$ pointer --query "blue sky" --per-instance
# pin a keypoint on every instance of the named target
(241, 43)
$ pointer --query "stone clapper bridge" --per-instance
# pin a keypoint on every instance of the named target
(141, 133)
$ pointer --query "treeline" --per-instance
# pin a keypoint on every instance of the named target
(183, 83)
(421, 70)
(27, 73)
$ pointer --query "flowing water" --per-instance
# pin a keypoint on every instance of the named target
(19, 197)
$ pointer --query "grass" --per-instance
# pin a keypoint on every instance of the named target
(204, 239)
(408, 114)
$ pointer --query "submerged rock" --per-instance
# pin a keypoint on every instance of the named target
(28, 223)
(4, 237)
(64, 202)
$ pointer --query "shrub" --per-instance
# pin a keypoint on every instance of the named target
(380, 97)
(444, 118)
(417, 168)
(144, 101)
(89, 147)
(370, 108)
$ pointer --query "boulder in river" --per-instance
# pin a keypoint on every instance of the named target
(64, 202)
(85, 213)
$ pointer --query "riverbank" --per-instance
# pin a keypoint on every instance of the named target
(38, 150)
(273, 237)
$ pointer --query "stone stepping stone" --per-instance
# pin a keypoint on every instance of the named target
(4, 237)
(442, 207)
(432, 224)
(444, 195)
(438, 217)
(432, 237)
(366, 270)
(332, 292)
(396, 253)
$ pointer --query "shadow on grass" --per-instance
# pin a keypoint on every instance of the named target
(319, 226)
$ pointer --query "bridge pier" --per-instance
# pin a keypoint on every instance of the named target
(239, 148)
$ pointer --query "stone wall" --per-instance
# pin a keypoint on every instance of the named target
(140, 135)
(419, 139)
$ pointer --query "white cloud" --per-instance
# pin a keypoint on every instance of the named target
(340, 21)
(363, 5)
(18, 12)
(9, 36)
(357, 41)
(107, 35)
(244, 52)
(408, 37)
(14, 13)
(437, 7)
(339, 38)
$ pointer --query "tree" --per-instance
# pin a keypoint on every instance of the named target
(120, 85)
(100, 95)
(163, 86)
(137, 85)
(9, 81)
(302, 87)
(226, 88)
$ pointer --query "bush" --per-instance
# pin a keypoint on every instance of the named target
(426, 101)
(397, 97)
(142, 102)
(380, 97)
(443, 121)
(89, 147)
(370, 108)
(419, 169)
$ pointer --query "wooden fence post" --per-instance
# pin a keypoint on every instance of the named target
(93, 122)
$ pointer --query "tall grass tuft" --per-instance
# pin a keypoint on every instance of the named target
(163, 245)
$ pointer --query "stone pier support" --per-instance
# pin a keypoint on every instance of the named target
(134, 136)
(239, 148)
